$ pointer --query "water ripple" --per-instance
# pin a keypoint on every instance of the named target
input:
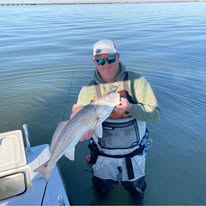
(46, 56)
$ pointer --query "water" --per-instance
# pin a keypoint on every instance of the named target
(46, 58)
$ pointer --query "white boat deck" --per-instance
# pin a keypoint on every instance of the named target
(19, 185)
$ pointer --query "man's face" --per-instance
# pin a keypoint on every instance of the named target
(107, 65)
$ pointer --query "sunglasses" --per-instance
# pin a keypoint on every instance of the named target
(109, 60)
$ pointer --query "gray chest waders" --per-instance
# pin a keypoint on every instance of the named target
(119, 134)
(141, 150)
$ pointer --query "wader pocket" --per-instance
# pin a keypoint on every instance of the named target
(121, 135)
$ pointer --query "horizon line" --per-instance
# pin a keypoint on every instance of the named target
(60, 2)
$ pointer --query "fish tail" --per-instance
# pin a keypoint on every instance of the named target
(45, 170)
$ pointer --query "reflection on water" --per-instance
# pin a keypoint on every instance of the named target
(46, 58)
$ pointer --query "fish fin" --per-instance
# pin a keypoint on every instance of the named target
(98, 131)
(57, 133)
(69, 153)
(45, 170)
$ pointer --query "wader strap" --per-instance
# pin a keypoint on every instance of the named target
(125, 82)
(126, 87)
(129, 166)
(98, 91)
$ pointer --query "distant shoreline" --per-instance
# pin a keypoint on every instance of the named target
(60, 2)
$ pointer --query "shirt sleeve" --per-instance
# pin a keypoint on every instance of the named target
(86, 95)
(146, 108)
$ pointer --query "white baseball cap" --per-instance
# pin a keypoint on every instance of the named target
(104, 46)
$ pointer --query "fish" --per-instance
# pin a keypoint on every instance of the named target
(68, 133)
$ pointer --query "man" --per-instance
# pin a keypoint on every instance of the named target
(119, 156)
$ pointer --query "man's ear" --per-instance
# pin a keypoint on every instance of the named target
(118, 55)
(93, 59)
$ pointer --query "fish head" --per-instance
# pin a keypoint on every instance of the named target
(105, 105)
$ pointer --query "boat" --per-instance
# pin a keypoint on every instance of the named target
(19, 184)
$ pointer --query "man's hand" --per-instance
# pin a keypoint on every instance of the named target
(75, 109)
(87, 135)
(123, 107)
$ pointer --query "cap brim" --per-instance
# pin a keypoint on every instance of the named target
(104, 51)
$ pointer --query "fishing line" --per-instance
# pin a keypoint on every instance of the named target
(69, 92)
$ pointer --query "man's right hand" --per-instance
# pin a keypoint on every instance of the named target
(87, 135)
(75, 109)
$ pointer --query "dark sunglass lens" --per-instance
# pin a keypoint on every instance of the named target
(100, 61)
(111, 59)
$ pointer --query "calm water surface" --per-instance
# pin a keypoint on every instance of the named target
(46, 58)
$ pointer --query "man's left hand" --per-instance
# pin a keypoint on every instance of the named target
(123, 107)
